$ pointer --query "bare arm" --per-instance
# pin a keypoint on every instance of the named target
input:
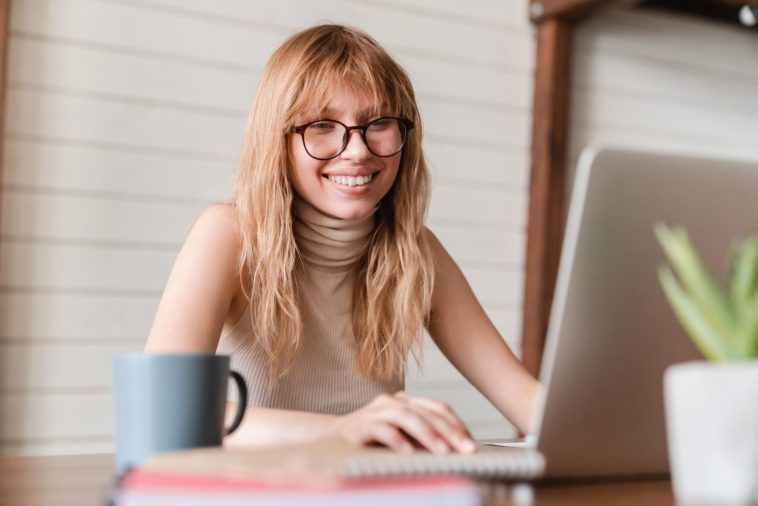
(396, 421)
(265, 426)
(467, 337)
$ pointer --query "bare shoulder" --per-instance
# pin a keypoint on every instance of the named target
(214, 240)
(438, 250)
(219, 220)
(446, 269)
(431, 237)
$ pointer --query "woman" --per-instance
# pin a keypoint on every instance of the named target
(319, 277)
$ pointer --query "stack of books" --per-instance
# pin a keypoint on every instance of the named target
(327, 472)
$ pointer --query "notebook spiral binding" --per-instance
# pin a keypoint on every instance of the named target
(481, 465)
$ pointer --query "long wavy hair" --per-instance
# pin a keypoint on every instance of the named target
(394, 280)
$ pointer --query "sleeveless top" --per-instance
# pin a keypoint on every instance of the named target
(324, 377)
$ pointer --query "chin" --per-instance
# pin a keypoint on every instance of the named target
(352, 212)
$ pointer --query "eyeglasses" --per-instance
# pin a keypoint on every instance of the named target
(325, 139)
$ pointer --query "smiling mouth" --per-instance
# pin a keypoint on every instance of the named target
(351, 180)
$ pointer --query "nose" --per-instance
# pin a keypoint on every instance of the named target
(356, 149)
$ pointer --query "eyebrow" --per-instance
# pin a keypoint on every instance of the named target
(362, 115)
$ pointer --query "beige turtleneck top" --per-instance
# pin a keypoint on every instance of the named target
(324, 377)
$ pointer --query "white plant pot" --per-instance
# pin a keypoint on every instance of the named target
(712, 426)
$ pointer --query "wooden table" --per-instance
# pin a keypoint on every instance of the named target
(63, 480)
(86, 480)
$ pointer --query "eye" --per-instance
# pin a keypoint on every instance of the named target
(381, 123)
(322, 125)
(324, 128)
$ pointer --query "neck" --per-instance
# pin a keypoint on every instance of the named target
(328, 243)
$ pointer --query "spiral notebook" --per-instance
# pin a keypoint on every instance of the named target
(332, 461)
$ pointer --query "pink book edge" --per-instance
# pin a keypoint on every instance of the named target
(150, 480)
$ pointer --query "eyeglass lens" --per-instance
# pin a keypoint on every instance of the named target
(326, 139)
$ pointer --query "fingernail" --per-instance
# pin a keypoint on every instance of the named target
(467, 445)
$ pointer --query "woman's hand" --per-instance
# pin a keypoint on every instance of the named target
(400, 420)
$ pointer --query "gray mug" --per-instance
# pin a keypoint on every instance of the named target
(167, 402)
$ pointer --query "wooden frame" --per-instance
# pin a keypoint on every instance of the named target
(550, 114)
(4, 31)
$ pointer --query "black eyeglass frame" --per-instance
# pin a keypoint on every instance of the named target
(408, 124)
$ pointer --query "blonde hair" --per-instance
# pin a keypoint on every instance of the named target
(393, 283)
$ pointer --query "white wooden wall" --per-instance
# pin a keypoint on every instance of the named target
(662, 81)
(124, 119)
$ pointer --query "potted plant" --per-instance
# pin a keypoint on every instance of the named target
(712, 406)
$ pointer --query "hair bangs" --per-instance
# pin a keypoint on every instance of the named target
(338, 67)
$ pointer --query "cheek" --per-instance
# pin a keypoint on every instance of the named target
(299, 162)
(304, 172)
(392, 168)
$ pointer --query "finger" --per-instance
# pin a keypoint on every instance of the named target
(456, 435)
(437, 437)
(438, 407)
(418, 427)
(388, 435)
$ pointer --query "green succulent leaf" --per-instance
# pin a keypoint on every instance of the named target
(723, 326)
(748, 334)
(706, 337)
(703, 291)
(744, 271)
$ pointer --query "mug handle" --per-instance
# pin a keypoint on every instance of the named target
(241, 401)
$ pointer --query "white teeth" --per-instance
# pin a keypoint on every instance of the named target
(351, 180)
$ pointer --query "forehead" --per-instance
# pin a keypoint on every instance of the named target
(345, 101)
(349, 102)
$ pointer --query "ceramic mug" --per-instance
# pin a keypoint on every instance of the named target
(167, 402)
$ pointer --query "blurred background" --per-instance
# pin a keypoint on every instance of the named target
(124, 120)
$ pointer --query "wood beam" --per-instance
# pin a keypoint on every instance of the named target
(725, 11)
(570, 10)
(546, 187)
(4, 32)
(550, 112)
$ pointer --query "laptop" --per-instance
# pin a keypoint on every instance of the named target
(612, 333)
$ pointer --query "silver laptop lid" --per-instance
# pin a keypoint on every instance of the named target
(611, 331)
